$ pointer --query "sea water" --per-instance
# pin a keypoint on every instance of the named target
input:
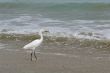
(67, 19)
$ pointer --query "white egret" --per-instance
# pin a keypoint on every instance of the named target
(32, 45)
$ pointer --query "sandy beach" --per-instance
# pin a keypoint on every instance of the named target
(51, 59)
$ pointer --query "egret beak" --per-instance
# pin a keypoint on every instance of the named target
(46, 31)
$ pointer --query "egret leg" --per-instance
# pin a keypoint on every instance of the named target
(31, 56)
(35, 55)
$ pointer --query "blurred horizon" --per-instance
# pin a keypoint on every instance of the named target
(55, 1)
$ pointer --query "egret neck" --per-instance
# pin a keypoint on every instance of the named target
(41, 35)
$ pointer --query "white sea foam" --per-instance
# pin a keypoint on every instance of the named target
(83, 21)
(89, 29)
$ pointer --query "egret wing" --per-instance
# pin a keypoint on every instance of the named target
(32, 44)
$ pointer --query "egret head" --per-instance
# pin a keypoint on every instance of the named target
(44, 30)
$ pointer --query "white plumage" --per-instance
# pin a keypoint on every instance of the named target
(32, 45)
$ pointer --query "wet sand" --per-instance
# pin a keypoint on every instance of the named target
(53, 59)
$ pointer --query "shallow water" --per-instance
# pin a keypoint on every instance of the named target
(65, 48)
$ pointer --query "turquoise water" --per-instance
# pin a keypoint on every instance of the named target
(69, 11)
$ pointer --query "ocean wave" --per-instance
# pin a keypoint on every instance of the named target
(66, 41)
(90, 35)
(26, 24)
